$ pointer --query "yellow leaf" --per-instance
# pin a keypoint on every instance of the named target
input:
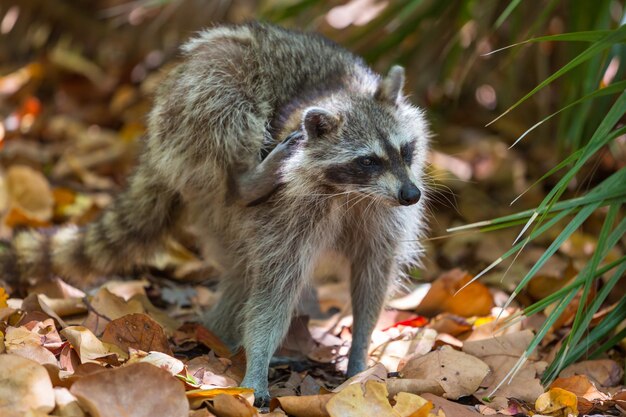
(353, 401)
(557, 402)
(214, 392)
(423, 411)
(3, 298)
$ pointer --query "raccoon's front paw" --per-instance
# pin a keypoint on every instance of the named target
(261, 393)
(286, 147)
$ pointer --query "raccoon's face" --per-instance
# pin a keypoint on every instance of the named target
(373, 145)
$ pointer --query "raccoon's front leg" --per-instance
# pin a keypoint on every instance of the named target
(258, 184)
(268, 310)
(370, 279)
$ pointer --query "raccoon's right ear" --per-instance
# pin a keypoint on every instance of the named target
(390, 88)
(317, 121)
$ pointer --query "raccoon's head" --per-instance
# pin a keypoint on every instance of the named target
(373, 143)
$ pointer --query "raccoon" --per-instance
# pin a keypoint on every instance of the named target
(279, 146)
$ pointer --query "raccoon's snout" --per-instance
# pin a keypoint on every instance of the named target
(409, 194)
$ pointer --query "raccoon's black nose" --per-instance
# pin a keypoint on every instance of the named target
(409, 194)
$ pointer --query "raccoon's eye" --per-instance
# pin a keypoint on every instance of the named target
(368, 161)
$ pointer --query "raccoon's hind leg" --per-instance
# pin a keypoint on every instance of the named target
(126, 233)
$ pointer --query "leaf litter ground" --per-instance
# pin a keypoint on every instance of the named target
(133, 346)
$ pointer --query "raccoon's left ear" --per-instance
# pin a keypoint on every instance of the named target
(317, 121)
(390, 87)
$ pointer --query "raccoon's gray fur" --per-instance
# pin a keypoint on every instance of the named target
(279, 146)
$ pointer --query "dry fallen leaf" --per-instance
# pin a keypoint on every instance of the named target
(588, 395)
(376, 373)
(557, 402)
(473, 300)
(89, 348)
(158, 359)
(137, 331)
(303, 406)
(501, 354)
(3, 298)
(31, 200)
(225, 405)
(405, 345)
(513, 345)
(409, 405)
(444, 407)
(24, 386)
(604, 372)
(67, 404)
(458, 373)
(138, 390)
(357, 401)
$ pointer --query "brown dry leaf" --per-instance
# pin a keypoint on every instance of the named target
(376, 373)
(458, 373)
(604, 372)
(501, 354)
(414, 386)
(47, 333)
(31, 200)
(407, 344)
(588, 395)
(127, 391)
(411, 300)
(158, 359)
(66, 404)
(106, 306)
(225, 405)
(557, 402)
(513, 345)
(137, 331)
(169, 324)
(444, 407)
(358, 401)
(88, 347)
(17, 337)
(35, 353)
(24, 386)
(450, 324)
(63, 307)
(127, 289)
(203, 412)
(473, 300)
(213, 371)
(409, 405)
(525, 385)
(210, 340)
(199, 396)
(303, 406)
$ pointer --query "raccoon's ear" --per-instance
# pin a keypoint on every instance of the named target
(390, 87)
(317, 121)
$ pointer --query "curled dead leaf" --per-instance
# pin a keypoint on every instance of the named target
(30, 197)
(137, 331)
(303, 406)
(557, 402)
(24, 386)
(444, 296)
(458, 373)
(89, 348)
(123, 391)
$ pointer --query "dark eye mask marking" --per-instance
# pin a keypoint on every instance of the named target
(352, 173)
